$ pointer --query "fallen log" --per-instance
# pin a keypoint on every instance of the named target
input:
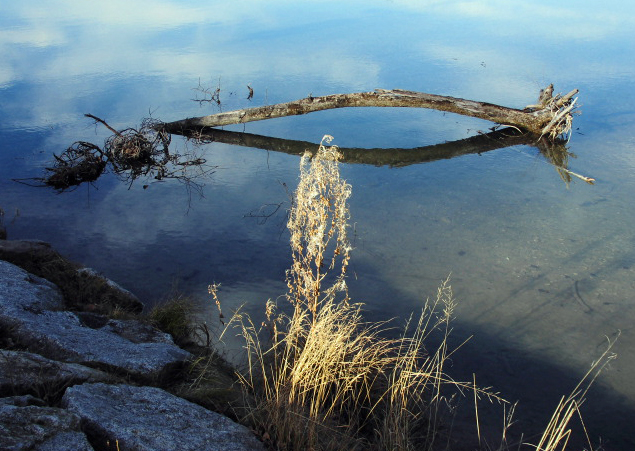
(551, 116)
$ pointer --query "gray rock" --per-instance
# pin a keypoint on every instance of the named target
(22, 401)
(26, 317)
(25, 372)
(149, 419)
(40, 295)
(81, 286)
(114, 286)
(138, 332)
(40, 428)
(65, 441)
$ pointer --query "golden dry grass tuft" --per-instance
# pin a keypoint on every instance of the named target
(320, 377)
(325, 378)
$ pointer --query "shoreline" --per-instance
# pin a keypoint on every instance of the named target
(69, 333)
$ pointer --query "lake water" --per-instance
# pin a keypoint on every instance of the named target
(543, 271)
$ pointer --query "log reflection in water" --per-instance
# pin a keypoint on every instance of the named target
(555, 152)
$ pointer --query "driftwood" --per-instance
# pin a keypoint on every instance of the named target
(129, 153)
(551, 116)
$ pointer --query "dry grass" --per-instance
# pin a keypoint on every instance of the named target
(414, 396)
(558, 431)
(331, 381)
(176, 317)
(318, 223)
(325, 378)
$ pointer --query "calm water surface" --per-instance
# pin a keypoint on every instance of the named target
(543, 271)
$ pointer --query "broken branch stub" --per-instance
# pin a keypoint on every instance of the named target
(533, 119)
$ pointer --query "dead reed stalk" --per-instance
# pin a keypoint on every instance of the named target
(318, 223)
(558, 431)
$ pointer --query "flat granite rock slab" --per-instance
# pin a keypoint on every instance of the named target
(149, 419)
(29, 316)
(20, 290)
(24, 372)
(33, 428)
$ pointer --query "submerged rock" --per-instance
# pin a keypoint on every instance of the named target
(148, 418)
(29, 317)
(36, 428)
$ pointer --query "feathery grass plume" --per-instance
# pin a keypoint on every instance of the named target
(308, 378)
(318, 224)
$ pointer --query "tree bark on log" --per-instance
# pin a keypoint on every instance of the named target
(551, 116)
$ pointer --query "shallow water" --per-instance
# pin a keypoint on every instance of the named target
(543, 271)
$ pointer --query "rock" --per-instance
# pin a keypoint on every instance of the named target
(40, 429)
(67, 350)
(22, 401)
(40, 295)
(26, 316)
(27, 373)
(148, 418)
(122, 296)
(71, 441)
(83, 288)
(135, 331)
(138, 332)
